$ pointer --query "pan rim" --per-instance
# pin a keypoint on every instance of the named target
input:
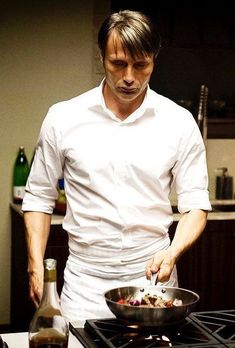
(196, 295)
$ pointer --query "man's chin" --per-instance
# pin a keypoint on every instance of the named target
(127, 97)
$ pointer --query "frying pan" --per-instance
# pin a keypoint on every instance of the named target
(145, 316)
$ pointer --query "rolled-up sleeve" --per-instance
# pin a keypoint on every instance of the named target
(41, 187)
(190, 171)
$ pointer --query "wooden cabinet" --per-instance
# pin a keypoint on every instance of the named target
(22, 308)
(208, 268)
(221, 128)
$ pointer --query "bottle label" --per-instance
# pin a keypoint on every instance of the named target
(46, 345)
(49, 345)
(18, 192)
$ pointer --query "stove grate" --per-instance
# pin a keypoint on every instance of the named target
(111, 333)
(221, 324)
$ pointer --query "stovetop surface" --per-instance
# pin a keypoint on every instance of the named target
(201, 329)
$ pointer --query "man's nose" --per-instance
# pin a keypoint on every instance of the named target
(129, 75)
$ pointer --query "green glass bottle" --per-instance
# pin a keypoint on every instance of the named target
(48, 328)
(20, 176)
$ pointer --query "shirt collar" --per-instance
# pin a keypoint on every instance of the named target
(146, 107)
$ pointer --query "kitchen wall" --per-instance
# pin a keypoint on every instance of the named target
(220, 153)
(48, 54)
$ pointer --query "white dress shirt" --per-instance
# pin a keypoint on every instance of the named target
(118, 177)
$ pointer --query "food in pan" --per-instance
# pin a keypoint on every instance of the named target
(151, 301)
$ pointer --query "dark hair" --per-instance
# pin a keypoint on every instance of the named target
(138, 34)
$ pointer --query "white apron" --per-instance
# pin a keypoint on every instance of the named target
(82, 296)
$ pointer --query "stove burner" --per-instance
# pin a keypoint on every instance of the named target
(112, 333)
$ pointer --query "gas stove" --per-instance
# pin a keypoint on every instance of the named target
(200, 329)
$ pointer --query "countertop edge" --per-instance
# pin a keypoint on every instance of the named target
(214, 215)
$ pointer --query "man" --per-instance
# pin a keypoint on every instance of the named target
(120, 148)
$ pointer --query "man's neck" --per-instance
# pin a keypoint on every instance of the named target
(121, 109)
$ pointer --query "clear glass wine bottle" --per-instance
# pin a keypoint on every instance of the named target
(48, 328)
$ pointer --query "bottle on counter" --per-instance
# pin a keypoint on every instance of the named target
(20, 175)
(224, 184)
(60, 203)
(48, 328)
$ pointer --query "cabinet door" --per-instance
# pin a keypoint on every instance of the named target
(208, 267)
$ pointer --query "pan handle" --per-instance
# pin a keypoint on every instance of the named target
(154, 279)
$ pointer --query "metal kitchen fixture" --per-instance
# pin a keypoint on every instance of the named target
(200, 329)
(202, 112)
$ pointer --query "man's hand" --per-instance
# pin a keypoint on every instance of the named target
(162, 262)
(36, 286)
(189, 229)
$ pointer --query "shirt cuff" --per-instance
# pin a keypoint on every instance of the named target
(194, 200)
(39, 205)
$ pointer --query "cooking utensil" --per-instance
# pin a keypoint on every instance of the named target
(152, 316)
(141, 293)
(154, 278)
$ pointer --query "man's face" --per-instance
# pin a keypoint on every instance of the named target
(126, 77)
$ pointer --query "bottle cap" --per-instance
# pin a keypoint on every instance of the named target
(50, 264)
(221, 171)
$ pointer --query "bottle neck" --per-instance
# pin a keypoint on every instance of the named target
(50, 295)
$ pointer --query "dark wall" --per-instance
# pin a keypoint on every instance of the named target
(198, 47)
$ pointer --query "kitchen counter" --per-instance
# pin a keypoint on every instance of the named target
(20, 340)
(214, 215)
(221, 210)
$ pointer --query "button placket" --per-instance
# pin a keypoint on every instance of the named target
(120, 175)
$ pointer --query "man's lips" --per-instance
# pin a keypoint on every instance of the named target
(127, 90)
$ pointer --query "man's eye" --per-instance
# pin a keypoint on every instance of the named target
(118, 63)
(140, 65)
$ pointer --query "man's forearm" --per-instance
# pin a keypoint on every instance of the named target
(37, 228)
(189, 229)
